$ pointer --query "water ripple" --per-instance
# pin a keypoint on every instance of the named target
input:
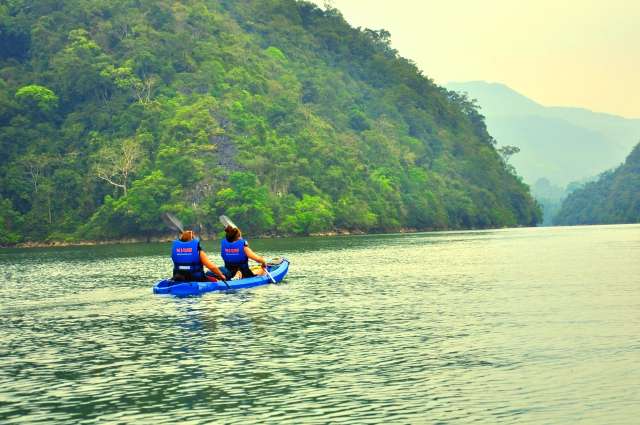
(511, 326)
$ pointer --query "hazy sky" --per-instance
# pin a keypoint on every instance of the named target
(583, 53)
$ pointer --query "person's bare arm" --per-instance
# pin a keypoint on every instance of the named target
(254, 256)
(208, 264)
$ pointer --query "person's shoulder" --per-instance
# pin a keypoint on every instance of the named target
(245, 242)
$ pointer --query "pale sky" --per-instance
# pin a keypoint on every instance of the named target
(583, 53)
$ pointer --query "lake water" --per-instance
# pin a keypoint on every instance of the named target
(537, 325)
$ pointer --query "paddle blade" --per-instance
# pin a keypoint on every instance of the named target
(226, 221)
(172, 222)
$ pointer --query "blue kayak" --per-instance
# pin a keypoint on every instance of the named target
(185, 289)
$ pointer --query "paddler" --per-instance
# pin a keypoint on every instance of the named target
(236, 253)
(189, 259)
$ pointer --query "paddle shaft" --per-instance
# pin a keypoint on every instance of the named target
(267, 272)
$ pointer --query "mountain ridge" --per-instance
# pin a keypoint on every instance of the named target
(495, 87)
(514, 119)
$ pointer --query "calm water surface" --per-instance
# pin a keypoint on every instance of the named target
(512, 326)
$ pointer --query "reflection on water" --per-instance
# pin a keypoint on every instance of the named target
(523, 325)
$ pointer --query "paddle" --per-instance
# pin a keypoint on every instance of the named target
(172, 222)
(226, 221)
(269, 274)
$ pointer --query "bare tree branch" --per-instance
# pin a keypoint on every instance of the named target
(115, 164)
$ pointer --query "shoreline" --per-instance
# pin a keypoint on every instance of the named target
(165, 238)
(169, 238)
(342, 232)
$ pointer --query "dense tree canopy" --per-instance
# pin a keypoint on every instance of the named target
(275, 112)
(613, 198)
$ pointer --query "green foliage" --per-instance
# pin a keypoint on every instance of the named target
(137, 213)
(311, 214)
(143, 202)
(247, 202)
(182, 165)
(35, 97)
(358, 120)
(10, 221)
(352, 213)
(275, 53)
(613, 198)
(278, 114)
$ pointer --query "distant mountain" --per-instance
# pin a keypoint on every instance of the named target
(550, 197)
(613, 198)
(557, 143)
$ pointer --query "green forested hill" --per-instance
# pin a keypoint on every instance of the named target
(613, 198)
(275, 112)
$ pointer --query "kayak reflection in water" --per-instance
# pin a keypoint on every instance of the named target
(236, 253)
(189, 259)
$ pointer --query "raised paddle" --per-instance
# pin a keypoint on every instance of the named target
(226, 222)
(172, 222)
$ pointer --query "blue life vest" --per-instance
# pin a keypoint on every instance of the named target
(186, 259)
(233, 252)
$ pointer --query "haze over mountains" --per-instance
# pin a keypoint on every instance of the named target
(558, 143)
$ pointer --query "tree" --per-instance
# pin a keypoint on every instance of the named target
(115, 164)
(507, 152)
(142, 205)
(246, 202)
(124, 78)
(137, 213)
(353, 214)
(10, 221)
(79, 68)
(37, 98)
(311, 214)
(39, 168)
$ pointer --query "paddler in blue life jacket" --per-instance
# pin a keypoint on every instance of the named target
(236, 253)
(189, 259)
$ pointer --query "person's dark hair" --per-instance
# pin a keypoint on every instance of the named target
(231, 233)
